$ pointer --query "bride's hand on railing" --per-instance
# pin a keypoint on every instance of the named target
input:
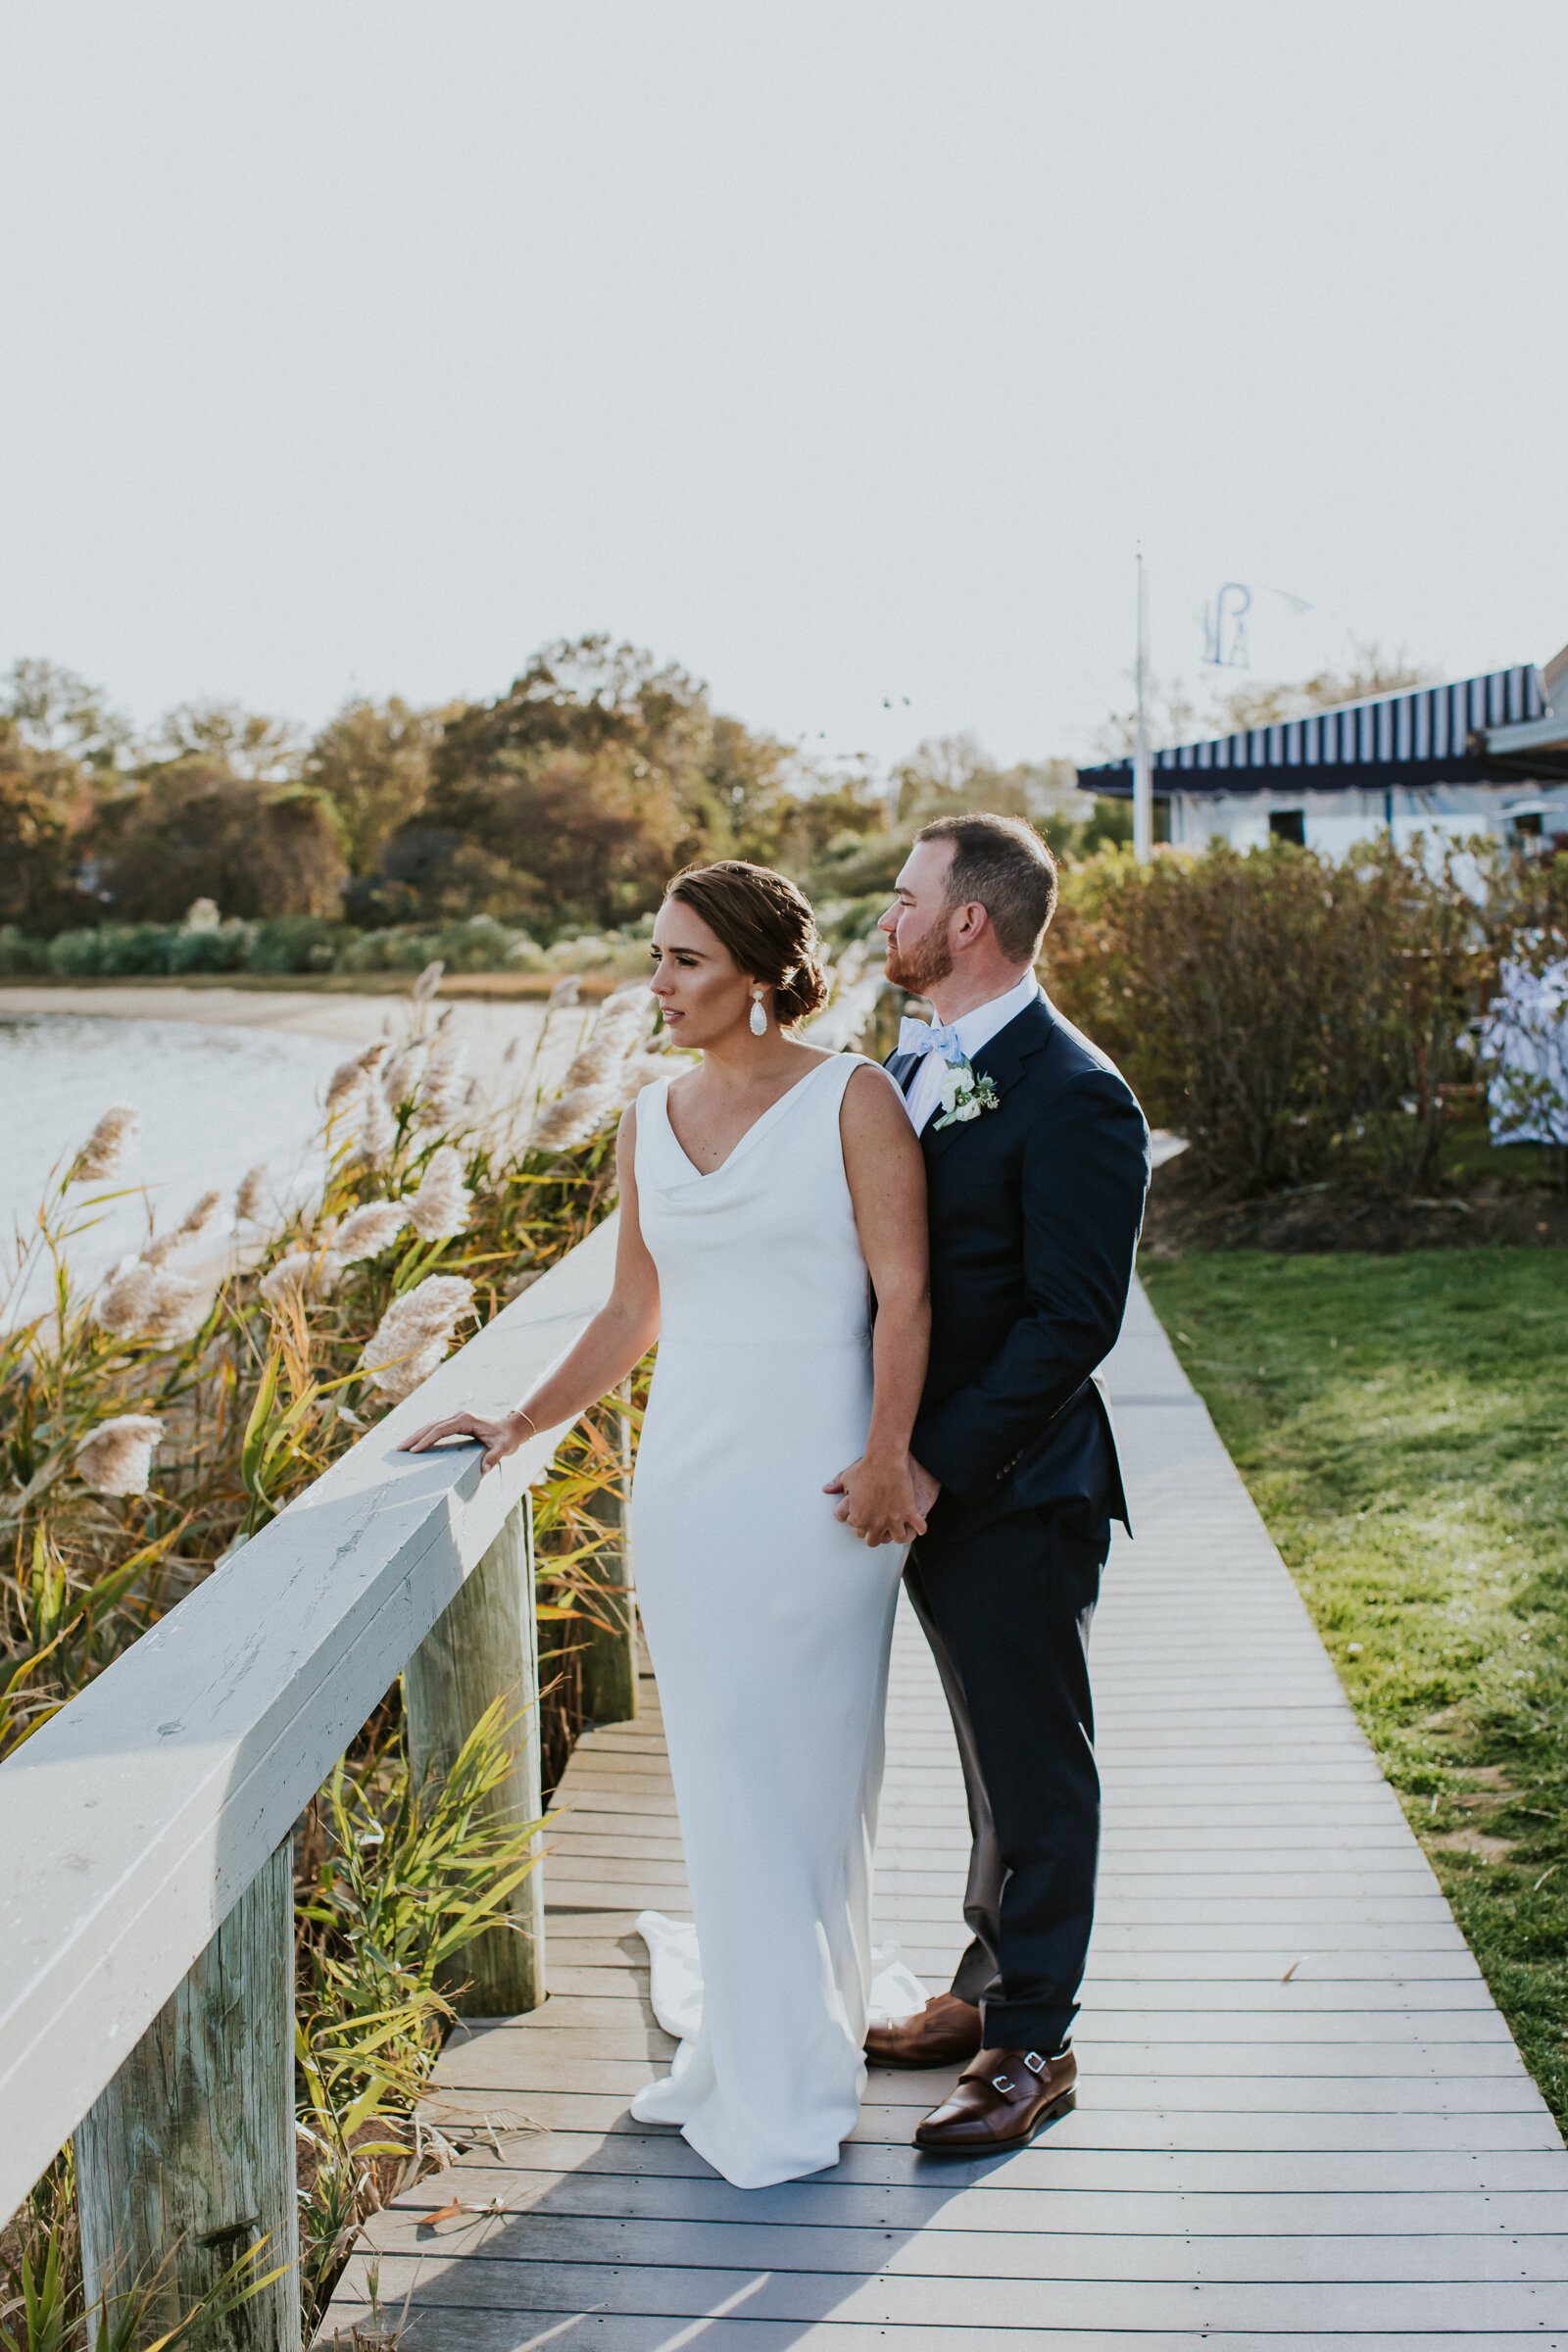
(497, 1437)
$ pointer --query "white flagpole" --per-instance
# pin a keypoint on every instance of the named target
(1142, 781)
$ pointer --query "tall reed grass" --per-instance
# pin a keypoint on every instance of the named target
(150, 1427)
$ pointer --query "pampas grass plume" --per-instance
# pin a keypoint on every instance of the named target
(597, 1063)
(573, 1118)
(428, 981)
(633, 1001)
(196, 1220)
(366, 1232)
(190, 1228)
(442, 1090)
(109, 1146)
(401, 1077)
(145, 1300)
(350, 1077)
(641, 1070)
(122, 1305)
(377, 1131)
(440, 1207)
(117, 1457)
(415, 1334)
(250, 1198)
(346, 1082)
(313, 1270)
(177, 1308)
(626, 1021)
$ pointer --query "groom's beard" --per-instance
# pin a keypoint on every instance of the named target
(921, 967)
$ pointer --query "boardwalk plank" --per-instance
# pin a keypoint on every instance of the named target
(1147, 2248)
(1152, 2121)
(1118, 2306)
(1127, 2164)
(1107, 2025)
(616, 2057)
(438, 2329)
(1068, 2212)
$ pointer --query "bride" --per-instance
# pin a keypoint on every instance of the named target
(769, 1197)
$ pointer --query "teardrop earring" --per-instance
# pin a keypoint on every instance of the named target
(759, 1020)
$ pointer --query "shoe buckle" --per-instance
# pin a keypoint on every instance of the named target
(1035, 2063)
(1002, 2082)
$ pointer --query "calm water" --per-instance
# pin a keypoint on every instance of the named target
(214, 1102)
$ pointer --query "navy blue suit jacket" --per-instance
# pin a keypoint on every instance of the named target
(1035, 1213)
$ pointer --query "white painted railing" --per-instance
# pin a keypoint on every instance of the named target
(132, 1824)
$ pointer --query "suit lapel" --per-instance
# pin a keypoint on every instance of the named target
(1003, 1062)
(901, 1069)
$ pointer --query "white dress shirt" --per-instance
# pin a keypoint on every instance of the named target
(972, 1031)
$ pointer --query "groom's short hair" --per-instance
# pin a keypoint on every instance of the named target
(1001, 863)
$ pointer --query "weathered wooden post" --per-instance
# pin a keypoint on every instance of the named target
(484, 1647)
(610, 1646)
(187, 2159)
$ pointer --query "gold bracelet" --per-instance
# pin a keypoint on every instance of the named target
(519, 1414)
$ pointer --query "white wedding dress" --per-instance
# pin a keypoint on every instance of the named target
(768, 1626)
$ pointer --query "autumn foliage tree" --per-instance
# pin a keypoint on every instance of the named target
(37, 848)
(568, 800)
(579, 792)
(372, 761)
(192, 830)
(59, 745)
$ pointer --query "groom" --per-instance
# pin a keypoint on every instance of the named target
(1037, 1163)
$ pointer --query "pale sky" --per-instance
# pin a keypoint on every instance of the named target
(842, 350)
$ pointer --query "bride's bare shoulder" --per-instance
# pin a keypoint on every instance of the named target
(871, 1098)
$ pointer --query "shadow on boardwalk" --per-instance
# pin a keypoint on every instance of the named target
(1300, 2114)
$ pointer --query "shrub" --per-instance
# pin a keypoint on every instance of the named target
(1288, 1015)
(482, 945)
(397, 949)
(298, 943)
(622, 953)
(19, 955)
(111, 949)
(225, 950)
(311, 943)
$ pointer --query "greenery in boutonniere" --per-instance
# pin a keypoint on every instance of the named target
(965, 1092)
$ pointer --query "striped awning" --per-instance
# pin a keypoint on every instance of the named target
(1430, 735)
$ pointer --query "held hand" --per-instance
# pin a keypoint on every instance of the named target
(878, 1503)
(497, 1437)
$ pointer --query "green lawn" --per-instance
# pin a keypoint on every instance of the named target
(1401, 1424)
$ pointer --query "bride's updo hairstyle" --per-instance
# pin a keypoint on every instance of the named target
(767, 926)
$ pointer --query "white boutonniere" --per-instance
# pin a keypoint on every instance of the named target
(965, 1092)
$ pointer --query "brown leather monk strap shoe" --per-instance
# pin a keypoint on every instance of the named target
(999, 2102)
(946, 2031)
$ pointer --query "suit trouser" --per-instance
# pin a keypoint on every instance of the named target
(1007, 1609)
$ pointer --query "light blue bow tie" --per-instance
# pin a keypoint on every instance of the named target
(928, 1037)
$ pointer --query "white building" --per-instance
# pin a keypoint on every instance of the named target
(1489, 754)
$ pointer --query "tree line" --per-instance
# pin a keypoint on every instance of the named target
(565, 801)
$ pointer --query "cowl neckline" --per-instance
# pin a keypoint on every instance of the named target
(706, 1178)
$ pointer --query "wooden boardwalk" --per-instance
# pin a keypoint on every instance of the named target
(1300, 2114)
